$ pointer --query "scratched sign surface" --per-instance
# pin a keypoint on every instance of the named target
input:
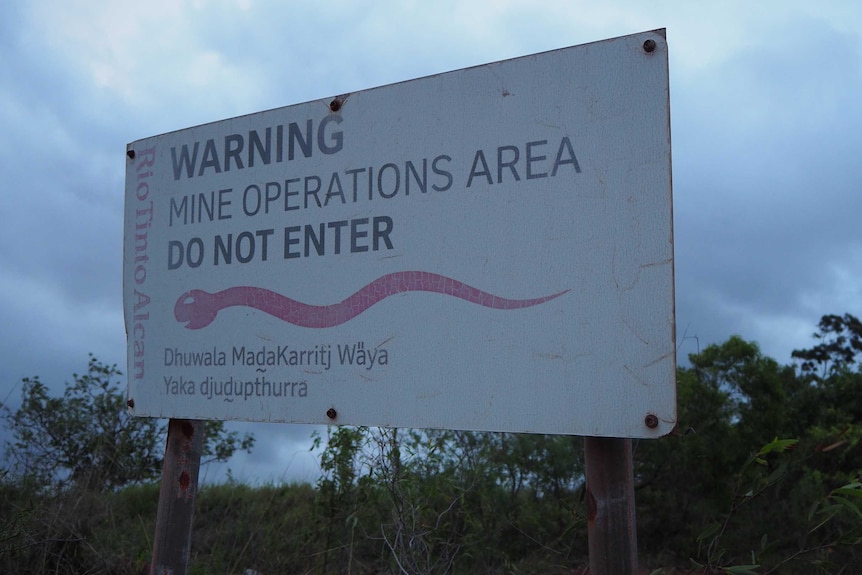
(487, 249)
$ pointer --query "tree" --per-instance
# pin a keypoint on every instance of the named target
(840, 342)
(87, 438)
(339, 491)
(731, 402)
(764, 467)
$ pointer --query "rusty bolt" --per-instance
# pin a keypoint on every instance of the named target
(331, 413)
(131, 154)
(131, 403)
(649, 46)
(651, 421)
(335, 105)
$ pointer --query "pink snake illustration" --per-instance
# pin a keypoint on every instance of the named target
(197, 308)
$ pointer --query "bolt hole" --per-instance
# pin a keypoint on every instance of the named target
(331, 413)
(649, 46)
(335, 105)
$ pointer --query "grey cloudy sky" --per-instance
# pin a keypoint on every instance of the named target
(766, 126)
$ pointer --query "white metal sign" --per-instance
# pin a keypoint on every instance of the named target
(486, 249)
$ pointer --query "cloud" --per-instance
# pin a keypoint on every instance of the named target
(765, 180)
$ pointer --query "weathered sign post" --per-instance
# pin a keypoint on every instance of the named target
(486, 249)
(173, 537)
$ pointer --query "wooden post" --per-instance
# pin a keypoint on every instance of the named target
(611, 529)
(173, 539)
